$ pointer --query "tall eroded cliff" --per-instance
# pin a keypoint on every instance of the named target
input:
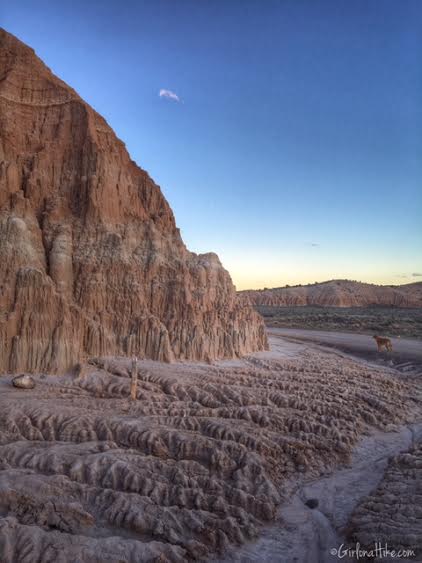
(91, 260)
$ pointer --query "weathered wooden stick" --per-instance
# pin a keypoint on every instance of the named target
(134, 378)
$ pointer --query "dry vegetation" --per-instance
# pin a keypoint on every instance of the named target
(405, 322)
(197, 463)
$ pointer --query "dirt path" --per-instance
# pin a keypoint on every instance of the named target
(406, 355)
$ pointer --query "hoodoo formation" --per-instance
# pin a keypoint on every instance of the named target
(92, 262)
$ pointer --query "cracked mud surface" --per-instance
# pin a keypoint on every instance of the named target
(197, 465)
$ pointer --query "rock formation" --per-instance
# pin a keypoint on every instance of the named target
(197, 464)
(23, 381)
(339, 293)
(92, 261)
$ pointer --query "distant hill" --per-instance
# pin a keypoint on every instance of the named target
(339, 293)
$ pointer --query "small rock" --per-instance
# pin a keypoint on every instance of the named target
(23, 382)
(312, 503)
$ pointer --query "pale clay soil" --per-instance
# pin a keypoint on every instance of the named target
(212, 462)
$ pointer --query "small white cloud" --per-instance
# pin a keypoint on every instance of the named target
(169, 95)
(312, 244)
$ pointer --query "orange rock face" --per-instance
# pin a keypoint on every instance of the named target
(91, 260)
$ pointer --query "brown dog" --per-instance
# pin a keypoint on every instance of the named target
(383, 342)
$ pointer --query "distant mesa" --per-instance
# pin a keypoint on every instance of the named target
(338, 293)
(91, 260)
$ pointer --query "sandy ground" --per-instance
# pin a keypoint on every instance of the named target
(209, 460)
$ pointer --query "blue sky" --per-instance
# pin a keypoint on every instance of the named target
(295, 149)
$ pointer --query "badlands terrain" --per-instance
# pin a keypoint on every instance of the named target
(344, 306)
(92, 260)
(339, 293)
(229, 450)
(211, 462)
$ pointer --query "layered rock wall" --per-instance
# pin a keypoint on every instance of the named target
(92, 262)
